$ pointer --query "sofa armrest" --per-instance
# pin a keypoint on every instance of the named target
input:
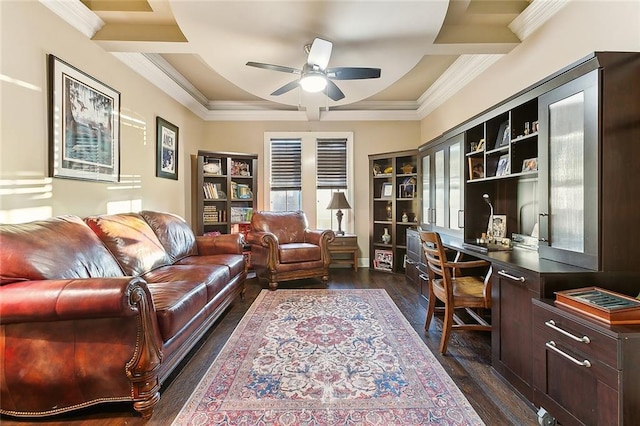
(219, 244)
(69, 299)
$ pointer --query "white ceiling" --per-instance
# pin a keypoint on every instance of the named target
(196, 50)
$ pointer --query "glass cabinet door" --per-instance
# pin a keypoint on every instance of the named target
(569, 173)
(426, 189)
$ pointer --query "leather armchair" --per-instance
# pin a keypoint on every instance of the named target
(284, 248)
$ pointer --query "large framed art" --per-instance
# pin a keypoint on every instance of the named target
(166, 149)
(84, 125)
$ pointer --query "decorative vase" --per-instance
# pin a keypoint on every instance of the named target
(386, 238)
(389, 210)
(405, 218)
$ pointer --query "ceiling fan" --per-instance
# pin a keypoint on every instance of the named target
(315, 76)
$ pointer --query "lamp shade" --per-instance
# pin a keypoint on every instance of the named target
(338, 201)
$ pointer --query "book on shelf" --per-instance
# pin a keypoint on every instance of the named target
(212, 214)
(241, 214)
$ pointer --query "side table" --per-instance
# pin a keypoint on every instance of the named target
(344, 250)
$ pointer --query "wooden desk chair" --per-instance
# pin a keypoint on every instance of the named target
(456, 291)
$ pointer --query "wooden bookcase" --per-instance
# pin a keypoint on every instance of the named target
(226, 186)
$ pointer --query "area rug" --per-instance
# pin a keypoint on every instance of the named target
(326, 357)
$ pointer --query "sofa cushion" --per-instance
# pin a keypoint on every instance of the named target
(174, 234)
(58, 248)
(131, 241)
(177, 303)
(299, 252)
(214, 277)
(235, 262)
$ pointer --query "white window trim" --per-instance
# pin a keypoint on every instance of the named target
(309, 169)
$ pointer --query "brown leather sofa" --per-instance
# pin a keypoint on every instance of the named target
(284, 248)
(104, 309)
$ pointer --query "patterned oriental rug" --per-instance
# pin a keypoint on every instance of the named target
(326, 357)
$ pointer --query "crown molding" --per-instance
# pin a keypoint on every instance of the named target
(76, 14)
(534, 16)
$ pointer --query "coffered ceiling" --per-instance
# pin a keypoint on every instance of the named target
(196, 50)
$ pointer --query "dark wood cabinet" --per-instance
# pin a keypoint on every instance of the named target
(585, 372)
(416, 269)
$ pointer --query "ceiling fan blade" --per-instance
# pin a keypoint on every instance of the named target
(333, 91)
(274, 67)
(352, 73)
(287, 87)
(320, 53)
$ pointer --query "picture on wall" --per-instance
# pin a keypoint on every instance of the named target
(166, 149)
(84, 125)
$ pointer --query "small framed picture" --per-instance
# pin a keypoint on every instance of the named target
(387, 190)
(476, 168)
(503, 165)
(530, 165)
(166, 149)
(499, 226)
(383, 260)
(504, 135)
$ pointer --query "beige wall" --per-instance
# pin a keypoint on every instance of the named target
(580, 28)
(30, 31)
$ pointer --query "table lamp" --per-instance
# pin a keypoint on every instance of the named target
(339, 201)
(490, 224)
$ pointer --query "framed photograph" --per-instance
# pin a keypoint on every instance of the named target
(166, 149)
(387, 190)
(383, 260)
(212, 166)
(476, 168)
(84, 125)
(503, 165)
(499, 226)
(530, 165)
(504, 135)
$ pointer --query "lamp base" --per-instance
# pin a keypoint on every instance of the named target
(339, 215)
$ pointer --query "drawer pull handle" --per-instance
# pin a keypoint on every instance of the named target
(410, 262)
(511, 277)
(552, 324)
(424, 277)
(552, 345)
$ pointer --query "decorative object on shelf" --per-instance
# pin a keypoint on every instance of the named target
(405, 218)
(408, 188)
(407, 169)
(389, 209)
(530, 165)
(526, 128)
(504, 135)
(240, 168)
(476, 168)
(383, 260)
(376, 169)
(387, 190)
(479, 147)
(212, 166)
(600, 304)
(388, 170)
(86, 116)
(339, 202)
(534, 126)
(487, 200)
(242, 191)
(386, 237)
(503, 165)
(166, 149)
(499, 227)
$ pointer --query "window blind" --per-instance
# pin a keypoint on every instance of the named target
(331, 157)
(286, 164)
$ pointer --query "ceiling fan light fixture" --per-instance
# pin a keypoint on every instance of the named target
(313, 82)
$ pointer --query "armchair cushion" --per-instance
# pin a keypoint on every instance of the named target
(299, 252)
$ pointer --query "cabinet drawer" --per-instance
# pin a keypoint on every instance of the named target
(344, 241)
(570, 331)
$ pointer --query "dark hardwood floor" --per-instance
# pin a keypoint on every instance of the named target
(468, 360)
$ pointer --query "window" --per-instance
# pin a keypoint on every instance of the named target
(304, 169)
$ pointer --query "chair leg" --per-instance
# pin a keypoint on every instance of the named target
(446, 327)
(431, 307)
(273, 285)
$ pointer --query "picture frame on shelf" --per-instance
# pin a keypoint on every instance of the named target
(212, 166)
(504, 135)
(166, 149)
(499, 226)
(476, 168)
(477, 147)
(407, 189)
(383, 260)
(386, 190)
(530, 165)
(503, 165)
(84, 123)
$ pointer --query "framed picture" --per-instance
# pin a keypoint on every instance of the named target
(499, 226)
(166, 149)
(504, 135)
(476, 168)
(383, 260)
(84, 125)
(387, 190)
(530, 165)
(503, 165)
(212, 166)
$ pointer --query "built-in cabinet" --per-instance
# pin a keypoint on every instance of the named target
(395, 207)
(226, 186)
